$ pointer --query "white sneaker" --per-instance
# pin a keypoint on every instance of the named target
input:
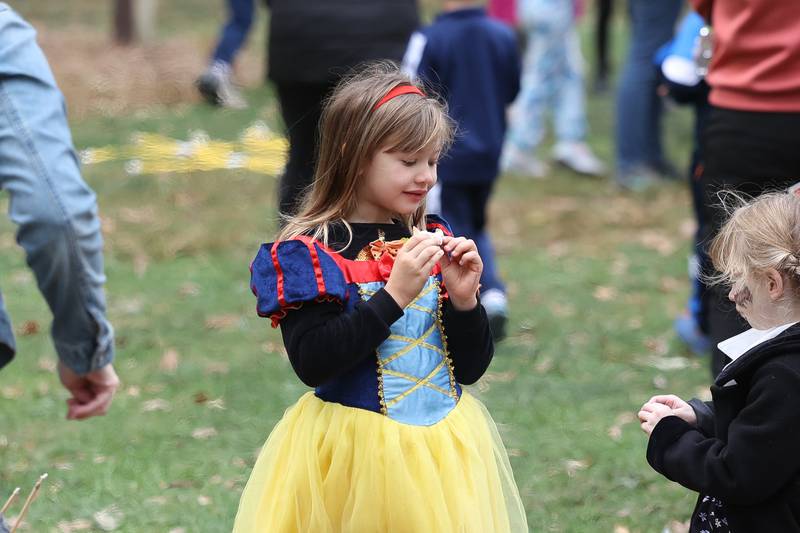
(577, 155)
(516, 161)
(217, 87)
(495, 303)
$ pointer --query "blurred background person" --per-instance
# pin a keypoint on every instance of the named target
(552, 78)
(216, 83)
(473, 61)
(750, 143)
(56, 213)
(604, 10)
(639, 153)
(310, 45)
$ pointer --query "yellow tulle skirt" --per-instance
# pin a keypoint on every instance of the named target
(327, 468)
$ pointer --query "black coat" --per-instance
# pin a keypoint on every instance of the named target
(316, 41)
(745, 450)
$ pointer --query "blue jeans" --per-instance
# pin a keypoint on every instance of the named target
(235, 31)
(638, 135)
(54, 209)
(552, 76)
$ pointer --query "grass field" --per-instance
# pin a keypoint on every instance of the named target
(595, 278)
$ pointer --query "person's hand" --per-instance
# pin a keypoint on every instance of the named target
(91, 393)
(412, 267)
(679, 407)
(651, 414)
(461, 271)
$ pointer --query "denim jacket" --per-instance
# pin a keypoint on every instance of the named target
(53, 208)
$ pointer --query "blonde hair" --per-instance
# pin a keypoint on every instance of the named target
(759, 234)
(352, 131)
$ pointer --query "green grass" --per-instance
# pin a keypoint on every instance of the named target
(595, 277)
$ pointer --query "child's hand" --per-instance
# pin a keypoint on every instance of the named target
(461, 271)
(679, 408)
(651, 414)
(412, 267)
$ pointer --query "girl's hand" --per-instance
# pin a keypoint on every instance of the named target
(679, 408)
(412, 267)
(461, 271)
(651, 414)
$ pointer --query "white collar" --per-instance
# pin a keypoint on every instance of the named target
(744, 342)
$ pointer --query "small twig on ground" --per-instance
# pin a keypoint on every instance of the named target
(10, 500)
(29, 501)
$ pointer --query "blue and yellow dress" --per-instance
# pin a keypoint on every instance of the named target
(389, 441)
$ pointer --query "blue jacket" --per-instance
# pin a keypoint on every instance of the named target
(473, 62)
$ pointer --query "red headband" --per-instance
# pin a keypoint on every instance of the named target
(397, 91)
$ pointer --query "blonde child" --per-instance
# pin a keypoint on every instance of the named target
(379, 313)
(741, 452)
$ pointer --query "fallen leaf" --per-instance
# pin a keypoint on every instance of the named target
(156, 404)
(156, 500)
(178, 530)
(218, 403)
(11, 392)
(676, 526)
(574, 465)
(169, 361)
(46, 364)
(668, 363)
(81, 524)
(108, 519)
(203, 500)
(200, 397)
(544, 366)
(133, 391)
(29, 327)
(500, 377)
(621, 529)
(660, 382)
(204, 433)
(615, 431)
(604, 294)
(222, 322)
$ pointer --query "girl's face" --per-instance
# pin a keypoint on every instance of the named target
(756, 301)
(395, 183)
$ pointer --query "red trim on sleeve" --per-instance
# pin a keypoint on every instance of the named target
(279, 273)
(317, 267)
(436, 225)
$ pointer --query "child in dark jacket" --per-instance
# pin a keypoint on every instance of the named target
(740, 451)
(473, 61)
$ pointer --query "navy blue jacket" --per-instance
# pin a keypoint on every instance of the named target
(473, 62)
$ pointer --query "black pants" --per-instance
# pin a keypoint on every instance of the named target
(750, 152)
(602, 25)
(301, 107)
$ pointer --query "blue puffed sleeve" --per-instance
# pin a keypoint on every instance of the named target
(286, 274)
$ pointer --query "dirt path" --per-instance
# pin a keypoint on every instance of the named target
(98, 77)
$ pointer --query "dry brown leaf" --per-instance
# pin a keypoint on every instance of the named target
(222, 322)
(203, 500)
(108, 519)
(46, 364)
(657, 345)
(169, 361)
(620, 529)
(80, 524)
(204, 433)
(11, 392)
(29, 327)
(615, 431)
(604, 294)
(657, 241)
(156, 404)
(676, 526)
(572, 466)
(668, 363)
(200, 397)
(133, 391)
(500, 377)
(660, 382)
(544, 366)
(218, 403)
(177, 530)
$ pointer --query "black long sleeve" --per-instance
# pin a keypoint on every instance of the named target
(323, 341)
